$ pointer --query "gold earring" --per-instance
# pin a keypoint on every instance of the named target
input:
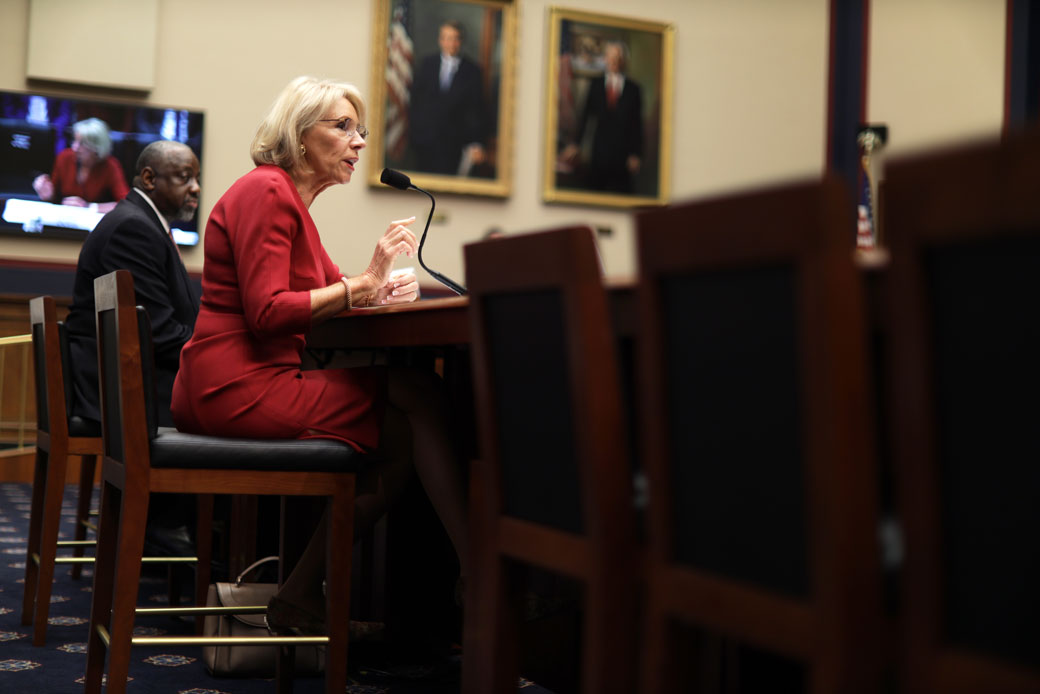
(303, 150)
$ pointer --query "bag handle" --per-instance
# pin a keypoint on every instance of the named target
(255, 564)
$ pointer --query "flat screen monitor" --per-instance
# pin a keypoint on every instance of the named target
(36, 128)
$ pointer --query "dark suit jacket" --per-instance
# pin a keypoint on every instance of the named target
(441, 123)
(131, 237)
(618, 133)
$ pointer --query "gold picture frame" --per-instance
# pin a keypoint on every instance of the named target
(462, 143)
(586, 113)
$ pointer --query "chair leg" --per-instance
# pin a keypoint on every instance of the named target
(653, 662)
(101, 599)
(337, 567)
(242, 533)
(133, 518)
(203, 552)
(54, 491)
(608, 660)
(32, 567)
(490, 644)
(492, 602)
(88, 464)
(657, 671)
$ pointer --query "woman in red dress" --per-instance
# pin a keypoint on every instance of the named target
(266, 281)
(85, 173)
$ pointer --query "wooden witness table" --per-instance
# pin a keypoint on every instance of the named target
(435, 322)
(409, 542)
(429, 322)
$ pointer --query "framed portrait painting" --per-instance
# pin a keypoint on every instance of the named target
(609, 100)
(441, 108)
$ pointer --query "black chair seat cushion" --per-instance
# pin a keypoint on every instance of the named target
(175, 449)
(78, 426)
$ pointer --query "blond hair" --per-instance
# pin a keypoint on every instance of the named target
(300, 105)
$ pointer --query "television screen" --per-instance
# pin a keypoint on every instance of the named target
(38, 151)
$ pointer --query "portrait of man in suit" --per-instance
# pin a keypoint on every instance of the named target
(608, 97)
(448, 119)
(614, 110)
(443, 110)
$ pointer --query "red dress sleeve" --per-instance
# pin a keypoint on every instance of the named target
(268, 223)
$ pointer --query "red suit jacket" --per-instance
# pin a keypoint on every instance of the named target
(240, 372)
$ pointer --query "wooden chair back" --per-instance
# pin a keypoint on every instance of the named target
(964, 230)
(126, 387)
(51, 410)
(54, 444)
(756, 429)
(552, 487)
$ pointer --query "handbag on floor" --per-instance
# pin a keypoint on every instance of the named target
(248, 661)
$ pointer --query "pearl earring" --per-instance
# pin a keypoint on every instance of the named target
(303, 150)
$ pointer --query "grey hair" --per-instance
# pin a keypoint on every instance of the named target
(300, 105)
(94, 133)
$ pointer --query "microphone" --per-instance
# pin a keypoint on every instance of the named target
(396, 179)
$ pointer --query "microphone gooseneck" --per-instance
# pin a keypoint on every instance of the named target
(396, 179)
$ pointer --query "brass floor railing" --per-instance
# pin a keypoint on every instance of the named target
(17, 396)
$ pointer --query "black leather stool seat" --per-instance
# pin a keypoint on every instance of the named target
(175, 449)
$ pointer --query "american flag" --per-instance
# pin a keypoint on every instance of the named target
(865, 216)
(398, 80)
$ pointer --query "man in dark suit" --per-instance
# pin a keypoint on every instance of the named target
(447, 118)
(615, 104)
(136, 236)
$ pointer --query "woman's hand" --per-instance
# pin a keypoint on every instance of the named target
(44, 187)
(401, 288)
(397, 240)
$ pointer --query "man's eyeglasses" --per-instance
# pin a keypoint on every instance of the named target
(347, 126)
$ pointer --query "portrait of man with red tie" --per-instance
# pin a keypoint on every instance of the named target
(614, 110)
(608, 98)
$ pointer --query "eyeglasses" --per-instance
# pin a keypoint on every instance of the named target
(347, 126)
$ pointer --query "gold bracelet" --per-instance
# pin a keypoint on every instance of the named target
(343, 278)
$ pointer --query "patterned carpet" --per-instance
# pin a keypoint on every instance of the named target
(57, 667)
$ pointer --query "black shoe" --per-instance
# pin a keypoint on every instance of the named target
(161, 541)
(286, 619)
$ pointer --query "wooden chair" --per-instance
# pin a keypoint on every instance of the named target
(57, 437)
(757, 439)
(964, 231)
(552, 487)
(139, 458)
